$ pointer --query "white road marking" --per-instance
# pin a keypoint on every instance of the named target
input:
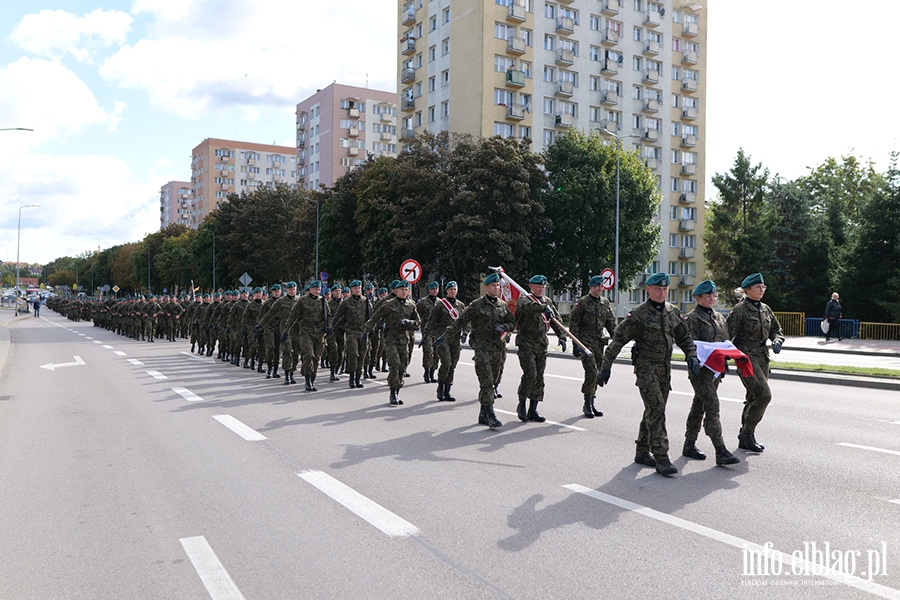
(88, 338)
(107, 346)
(119, 352)
(81, 334)
(873, 449)
(52, 367)
(155, 374)
(212, 573)
(742, 544)
(197, 357)
(363, 507)
(549, 422)
(135, 362)
(187, 394)
(246, 432)
(894, 501)
(895, 422)
(97, 342)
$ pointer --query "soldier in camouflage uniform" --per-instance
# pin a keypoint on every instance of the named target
(334, 342)
(399, 319)
(313, 322)
(150, 311)
(429, 356)
(270, 336)
(653, 326)
(534, 315)
(590, 316)
(489, 318)
(750, 325)
(201, 320)
(275, 320)
(351, 317)
(235, 322)
(446, 310)
(175, 312)
(249, 319)
(706, 325)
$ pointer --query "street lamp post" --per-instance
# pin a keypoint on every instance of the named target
(18, 246)
(618, 197)
(214, 262)
(317, 235)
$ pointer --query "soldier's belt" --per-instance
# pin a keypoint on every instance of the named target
(651, 355)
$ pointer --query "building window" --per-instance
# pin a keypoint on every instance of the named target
(550, 10)
(432, 53)
(445, 109)
(431, 114)
(524, 132)
(549, 137)
(445, 78)
(504, 130)
(445, 47)
(503, 31)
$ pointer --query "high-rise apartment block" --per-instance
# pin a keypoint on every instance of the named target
(175, 203)
(222, 167)
(339, 127)
(534, 69)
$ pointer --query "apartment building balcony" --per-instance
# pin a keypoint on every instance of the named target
(651, 135)
(609, 97)
(685, 252)
(252, 161)
(688, 169)
(407, 133)
(690, 30)
(685, 225)
(353, 113)
(224, 186)
(515, 78)
(409, 15)
(353, 132)
(516, 45)
(651, 105)
(689, 85)
(408, 104)
(687, 197)
(609, 7)
(224, 159)
(652, 19)
(353, 151)
(566, 1)
(688, 141)
(686, 280)
(516, 12)
(224, 172)
(610, 37)
(386, 136)
(609, 125)
(651, 162)
(408, 74)
(564, 56)
(564, 120)
(408, 46)
(276, 178)
(565, 25)
(565, 88)
(689, 57)
(251, 175)
(516, 112)
(689, 113)
(651, 48)
(301, 125)
(386, 117)
(301, 143)
(609, 67)
(651, 76)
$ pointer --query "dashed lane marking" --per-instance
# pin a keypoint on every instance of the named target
(246, 432)
(187, 394)
(212, 572)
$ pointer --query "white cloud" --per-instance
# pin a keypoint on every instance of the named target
(56, 33)
(49, 98)
(260, 54)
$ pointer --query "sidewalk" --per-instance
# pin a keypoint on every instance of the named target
(7, 316)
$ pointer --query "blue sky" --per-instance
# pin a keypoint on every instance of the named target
(119, 92)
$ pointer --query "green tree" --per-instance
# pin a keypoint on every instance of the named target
(339, 243)
(174, 262)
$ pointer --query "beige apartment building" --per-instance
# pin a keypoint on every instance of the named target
(222, 167)
(339, 127)
(534, 69)
(175, 203)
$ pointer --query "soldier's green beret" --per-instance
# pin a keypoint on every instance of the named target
(369, 286)
(402, 284)
(346, 290)
(658, 279)
(357, 282)
(246, 291)
(705, 287)
(450, 284)
(315, 283)
(393, 285)
(434, 285)
(290, 284)
(595, 280)
(382, 290)
(752, 280)
(492, 278)
(277, 286)
(206, 296)
(217, 295)
(538, 280)
(257, 290)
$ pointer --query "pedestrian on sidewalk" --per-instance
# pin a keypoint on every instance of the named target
(833, 315)
(37, 308)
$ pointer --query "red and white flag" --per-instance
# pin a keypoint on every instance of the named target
(712, 355)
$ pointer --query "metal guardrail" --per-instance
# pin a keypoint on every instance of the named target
(792, 323)
(879, 331)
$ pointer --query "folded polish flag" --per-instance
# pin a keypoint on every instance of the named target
(712, 355)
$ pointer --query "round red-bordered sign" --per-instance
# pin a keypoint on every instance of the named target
(609, 279)
(410, 271)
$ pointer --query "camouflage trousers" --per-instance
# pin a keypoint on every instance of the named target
(290, 352)
(272, 339)
(589, 363)
(533, 360)
(654, 383)
(251, 344)
(758, 395)
(705, 408)
(396, 351)
(311, 347)
(449, 356)
(149, 327)
(430, 358)
(376, 349)
(489, 358)
(355, 350)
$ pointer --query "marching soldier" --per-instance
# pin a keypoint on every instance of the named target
(312, 321)
(351, 317)
(399, 317)
(235, 319)
(590, 316)
(275, 320)
(271, 334)
(534, 315)
(653, 326)
(706, 325)
(334, 341)
(750, 325)
(424, 308)
(446, 310)
(489, 318)
(249, 337)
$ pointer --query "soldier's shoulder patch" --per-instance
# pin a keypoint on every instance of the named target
(628, 316)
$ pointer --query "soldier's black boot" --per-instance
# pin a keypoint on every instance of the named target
(293, 381)
(533, 413)
(643, 457)
(664, 466)
(447, 396)
(690, 450)
(259, 366)
(352, 380)
(287, 378)
(586, 409)
(192, 348)
(427, 376)
(440, 391)
(747, 441)
(358, 382)
(312, 384)
(497, 393)
(406, 373)
(333, 376)
(269, 372)
(394, 400)
(308, 385)
(520, 410)
(724, 457)
(492, 421)
(482, 416)
(252, 364)
(597, 413)
(275, 373)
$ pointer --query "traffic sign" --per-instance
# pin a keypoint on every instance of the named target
(245, 279)
(323, 276)
(609, 279)
(115, 288)
(410, 271)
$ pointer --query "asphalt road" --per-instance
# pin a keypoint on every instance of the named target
(148, 472)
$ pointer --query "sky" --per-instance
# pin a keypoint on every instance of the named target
(118, 93)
